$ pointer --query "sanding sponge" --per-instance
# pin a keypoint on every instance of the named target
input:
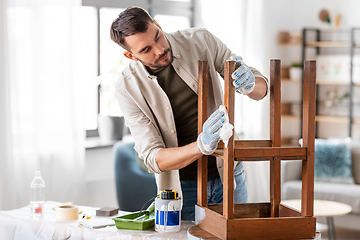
(107, 211)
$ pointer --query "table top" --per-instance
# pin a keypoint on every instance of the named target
(322, 208)
(17, 224)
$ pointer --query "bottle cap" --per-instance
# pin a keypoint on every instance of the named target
(168, 194)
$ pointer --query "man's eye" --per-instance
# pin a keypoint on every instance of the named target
(147, 50)
(158, 37)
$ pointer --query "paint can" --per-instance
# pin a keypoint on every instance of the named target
(167, 212)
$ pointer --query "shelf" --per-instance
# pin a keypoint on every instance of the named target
(327, 44)
(290, 116)
(332, 119)
(356, 121)
(291, 80)
(321, 82)
(317, 40)
(327, 82)
(291, 44)
(335, 119)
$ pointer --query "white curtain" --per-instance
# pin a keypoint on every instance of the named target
(242, 26)
(40, 101)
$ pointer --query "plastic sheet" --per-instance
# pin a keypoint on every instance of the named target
(18, 225)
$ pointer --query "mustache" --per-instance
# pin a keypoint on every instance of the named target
(162, 55)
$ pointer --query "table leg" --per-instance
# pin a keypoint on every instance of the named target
(331, 228)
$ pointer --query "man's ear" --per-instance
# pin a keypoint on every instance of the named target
(129, 55)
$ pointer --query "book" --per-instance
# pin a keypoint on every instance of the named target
(97, 222)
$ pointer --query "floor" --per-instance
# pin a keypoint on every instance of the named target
(341, 233)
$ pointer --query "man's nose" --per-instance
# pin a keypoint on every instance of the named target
(158, 49)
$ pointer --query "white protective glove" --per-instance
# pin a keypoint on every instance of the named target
(244, 80)
(209, 138)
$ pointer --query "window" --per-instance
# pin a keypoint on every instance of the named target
(89, 64)
(172, 23)
(112, 62)
(97, 17)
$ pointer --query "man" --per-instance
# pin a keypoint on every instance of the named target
(157, 93)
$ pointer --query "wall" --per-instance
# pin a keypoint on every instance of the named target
(100, 178)
(100, 174)
(293, 16)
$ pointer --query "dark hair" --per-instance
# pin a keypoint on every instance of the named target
(129, 22)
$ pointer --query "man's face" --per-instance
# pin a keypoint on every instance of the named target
(151, 48)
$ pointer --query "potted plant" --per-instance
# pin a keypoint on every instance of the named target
(110, 119)
(295, 71)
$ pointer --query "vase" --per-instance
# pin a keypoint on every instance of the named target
(295, 73)
(111, 128)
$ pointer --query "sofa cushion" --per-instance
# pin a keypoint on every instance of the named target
(355, 155)
(345, 193)
(333, 161)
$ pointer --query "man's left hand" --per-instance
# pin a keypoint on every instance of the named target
(244, 80)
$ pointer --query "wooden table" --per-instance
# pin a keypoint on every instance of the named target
(323, 208)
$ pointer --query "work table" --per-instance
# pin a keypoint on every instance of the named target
(17, 225)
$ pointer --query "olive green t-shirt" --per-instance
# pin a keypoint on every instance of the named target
(184, 103)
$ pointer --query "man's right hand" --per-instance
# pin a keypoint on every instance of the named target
(209, 138)
(244, 80)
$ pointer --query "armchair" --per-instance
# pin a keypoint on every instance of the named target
(134, 186)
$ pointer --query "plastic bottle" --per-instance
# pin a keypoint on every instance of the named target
(167, 212)
(37, 195)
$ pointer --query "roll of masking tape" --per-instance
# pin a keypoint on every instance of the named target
(67, 212)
